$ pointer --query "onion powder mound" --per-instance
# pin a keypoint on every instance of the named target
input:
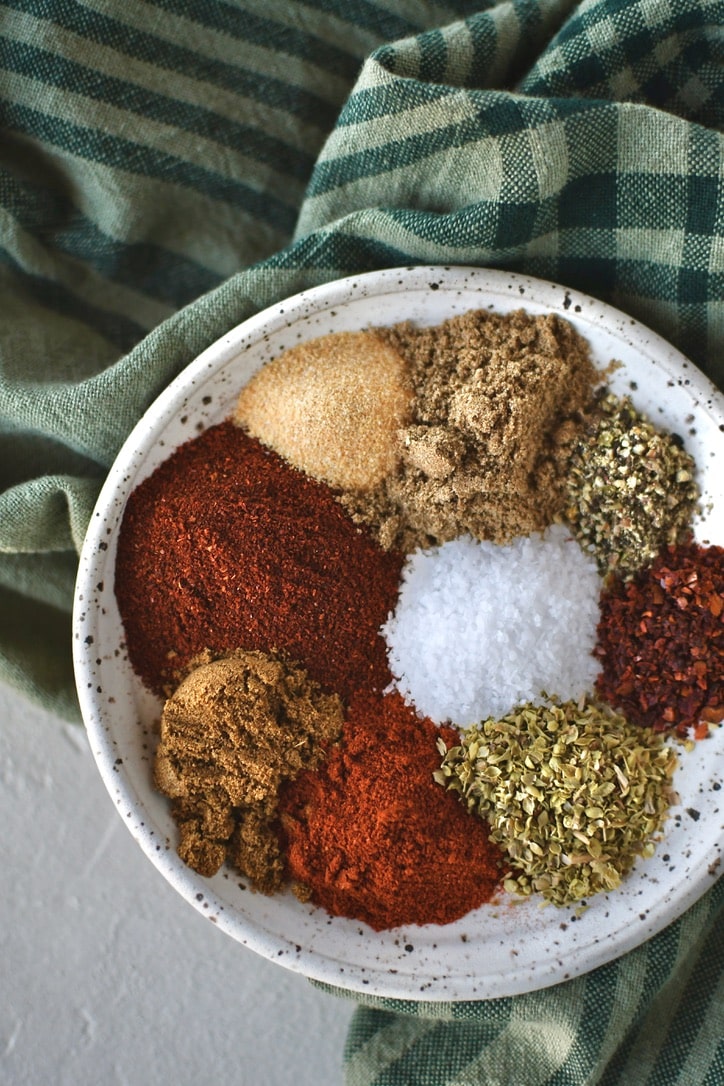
(481, 628)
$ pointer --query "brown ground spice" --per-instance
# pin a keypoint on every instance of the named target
(234, 729)
(497, 402)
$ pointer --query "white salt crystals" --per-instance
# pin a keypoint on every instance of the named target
(481, 628)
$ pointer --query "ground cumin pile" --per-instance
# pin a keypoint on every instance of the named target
(234, 729)
(496, 409)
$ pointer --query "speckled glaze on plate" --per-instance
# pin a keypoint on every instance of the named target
(500, 949)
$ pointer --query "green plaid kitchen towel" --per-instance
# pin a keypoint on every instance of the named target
(169, 167)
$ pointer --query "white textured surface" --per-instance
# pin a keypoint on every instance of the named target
(107, 975)
(522, 618)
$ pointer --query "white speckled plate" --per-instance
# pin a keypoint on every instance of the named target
(497, 950)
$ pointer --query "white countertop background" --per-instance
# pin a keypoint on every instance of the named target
(107, 977)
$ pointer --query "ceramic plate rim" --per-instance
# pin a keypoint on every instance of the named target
(315, 961)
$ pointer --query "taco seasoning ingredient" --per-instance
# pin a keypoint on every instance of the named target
(631, 487)
(497, 402)
(369, 835)
(573, 794)
(522, 619)
(226, 545)
(235, 728)
(661, 641)
(332, 407)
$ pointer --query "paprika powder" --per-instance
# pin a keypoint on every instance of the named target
(226, 546)
(370, 835)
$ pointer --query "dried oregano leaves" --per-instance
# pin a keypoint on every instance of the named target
(572, 792)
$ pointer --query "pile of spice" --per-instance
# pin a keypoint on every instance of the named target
(231, 733)
(259, 579)
(369, 835)
(431, 433)
(631, 487)
(661, 641)
(521, 618)
(498, 402)
(333, 407)
(572, 793)
(227, 546)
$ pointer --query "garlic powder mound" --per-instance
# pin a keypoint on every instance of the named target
(332, 407)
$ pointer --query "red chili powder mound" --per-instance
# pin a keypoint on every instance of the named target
(661, 641)
(370, 835)
(227, 546)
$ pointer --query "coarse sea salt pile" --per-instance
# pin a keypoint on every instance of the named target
(481, 628)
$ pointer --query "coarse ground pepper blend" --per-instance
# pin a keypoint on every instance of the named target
(371, 836)
(631, 487)
(227, 546)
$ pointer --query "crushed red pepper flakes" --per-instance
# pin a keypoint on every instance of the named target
(661, 642)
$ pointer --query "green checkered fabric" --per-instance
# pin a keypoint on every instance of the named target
(652, 1018)
(169, 167)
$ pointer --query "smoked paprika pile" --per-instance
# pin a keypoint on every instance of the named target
(661, 642)
(371, 836)
(227, 546)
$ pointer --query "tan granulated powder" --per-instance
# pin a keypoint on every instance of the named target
(332, 407)
(233, 730)
(497, 403)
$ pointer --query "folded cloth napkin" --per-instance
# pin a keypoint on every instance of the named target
(168, 168)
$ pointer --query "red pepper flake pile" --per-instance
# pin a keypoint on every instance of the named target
(661, 642)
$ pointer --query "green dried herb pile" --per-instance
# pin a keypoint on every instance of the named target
(572, 793)
(631, 487)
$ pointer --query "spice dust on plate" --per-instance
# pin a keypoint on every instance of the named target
(468, 501)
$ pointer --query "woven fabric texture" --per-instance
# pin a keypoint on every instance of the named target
(168, 168)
